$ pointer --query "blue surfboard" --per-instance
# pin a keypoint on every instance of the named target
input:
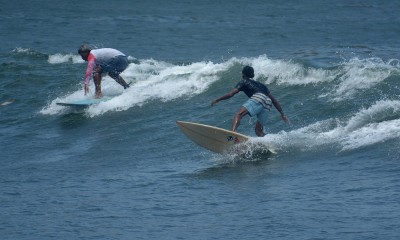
(84, 102)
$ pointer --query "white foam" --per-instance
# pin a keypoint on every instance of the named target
(151, 80)
(371, 134)
(22, 50)
(346, 80)
(378, 112)
(162, 81)
(63, 58)
(52, 108)
(378, 123)
(360, 74)
(373, 125)
(286, 72)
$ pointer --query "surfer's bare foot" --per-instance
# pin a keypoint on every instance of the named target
(99, 95)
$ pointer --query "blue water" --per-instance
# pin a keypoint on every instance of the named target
(123, 170)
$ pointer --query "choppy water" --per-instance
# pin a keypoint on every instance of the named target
(123, 170)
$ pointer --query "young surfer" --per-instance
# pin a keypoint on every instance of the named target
(260, 100)
(103, 60)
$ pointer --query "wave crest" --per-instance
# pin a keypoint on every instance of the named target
(376, 124)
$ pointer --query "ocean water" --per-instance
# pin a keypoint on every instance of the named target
(123, 170)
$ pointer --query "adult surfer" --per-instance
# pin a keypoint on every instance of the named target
(260, 100)
(103, 60)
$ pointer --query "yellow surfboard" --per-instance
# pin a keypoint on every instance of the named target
(215, 139)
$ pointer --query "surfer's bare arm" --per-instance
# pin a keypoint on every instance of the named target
(226, 96)
(89, 74)
(279, 108)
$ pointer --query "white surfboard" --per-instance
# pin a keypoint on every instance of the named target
(83, 102)
(215, 139)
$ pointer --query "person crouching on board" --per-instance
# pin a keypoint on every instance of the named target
(103, 60)
(260, 101)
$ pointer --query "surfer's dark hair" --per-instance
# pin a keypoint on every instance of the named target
(84, 48)
(248, 72)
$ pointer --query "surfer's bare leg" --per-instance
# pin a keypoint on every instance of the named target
(97, 81)
(119, 80)
(259, 129)
(238, 116)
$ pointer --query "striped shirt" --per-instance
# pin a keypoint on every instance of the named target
(255, 91)
(264, 100)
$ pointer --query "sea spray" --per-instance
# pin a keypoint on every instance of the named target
(376, 124)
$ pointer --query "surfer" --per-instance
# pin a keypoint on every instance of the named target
(260, 101)
(103, 60)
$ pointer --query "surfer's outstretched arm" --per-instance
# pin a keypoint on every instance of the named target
(279, 108)
(226, 96)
